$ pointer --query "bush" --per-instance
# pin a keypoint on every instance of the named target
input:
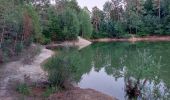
(23, 89)
(62, 67)
(58, 69)
(19, 47)
(49, 91)
(125, 36)
(97, 35)
(44, 40)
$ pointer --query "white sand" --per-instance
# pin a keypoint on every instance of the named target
(19, 72)
(81, 43)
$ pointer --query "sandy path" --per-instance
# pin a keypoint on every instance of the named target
(80, 43)
(17, 71)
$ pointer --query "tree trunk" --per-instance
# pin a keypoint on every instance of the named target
(15, 43)
(159, 8)
(3, 31)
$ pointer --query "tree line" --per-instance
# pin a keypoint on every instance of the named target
(119, 18)
(140, 17)
(25, 21)
(19, 26)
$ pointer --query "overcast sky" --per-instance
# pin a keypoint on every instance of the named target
(91, 3)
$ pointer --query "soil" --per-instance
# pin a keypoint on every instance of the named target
(16, 72)
(80, 94)
(134, 39)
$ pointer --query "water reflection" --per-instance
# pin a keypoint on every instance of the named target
(127, 71)
(138, 73)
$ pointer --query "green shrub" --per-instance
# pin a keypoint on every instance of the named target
(23, 89)
(19, 47)
(58, 70)
(61, 68)
(125, 36)
(49, 91)
(98, 35)
(44, 40)
(5, 56)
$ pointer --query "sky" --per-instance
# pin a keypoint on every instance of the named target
(91, 3)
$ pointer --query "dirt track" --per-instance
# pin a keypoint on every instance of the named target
(16, 71)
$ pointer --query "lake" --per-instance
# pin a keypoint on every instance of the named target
(124, 70)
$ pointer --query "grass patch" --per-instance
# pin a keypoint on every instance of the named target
(49, 91)
(23, 88)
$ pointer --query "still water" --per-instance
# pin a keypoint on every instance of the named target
(127, 71)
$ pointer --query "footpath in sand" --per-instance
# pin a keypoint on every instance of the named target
(17, 71)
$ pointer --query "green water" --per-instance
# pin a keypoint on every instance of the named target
(125, 70)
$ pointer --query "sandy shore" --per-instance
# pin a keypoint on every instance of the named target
(16, 71)
(81, 94)
(134, 39)
(80, 43)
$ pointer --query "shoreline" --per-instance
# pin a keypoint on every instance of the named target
(133, 39)
(80, 43)
(81, 94)
(16, 72)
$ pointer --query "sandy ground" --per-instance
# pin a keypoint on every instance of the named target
(80, 43)
(134, 39)
(81, 94)
(18, 72)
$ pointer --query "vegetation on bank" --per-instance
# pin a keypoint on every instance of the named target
(61, 68)
(19, 27)
(23, 89)
(25, 21)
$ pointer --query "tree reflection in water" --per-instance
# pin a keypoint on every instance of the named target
(142, 77)
(144, 68)
(139, 65)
